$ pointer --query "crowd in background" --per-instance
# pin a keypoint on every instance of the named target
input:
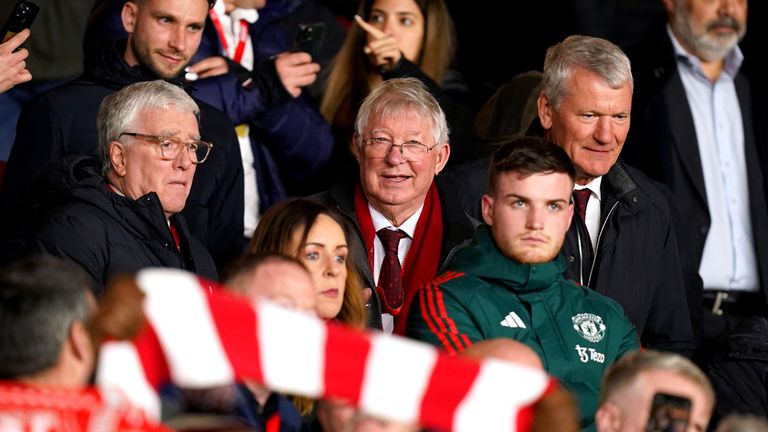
(578, 187)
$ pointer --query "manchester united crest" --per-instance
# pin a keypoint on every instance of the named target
(589, 326)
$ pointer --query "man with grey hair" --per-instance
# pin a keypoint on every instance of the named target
(654, 391)
(122, 215)
(698, 136)
(621, 242)
(163, 35)
(406, 222)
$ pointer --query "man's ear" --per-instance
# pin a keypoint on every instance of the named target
(487, 204)
(443, 153)
(117, 158)
(80, 340)
(128, 16)
(608, 418)
(545, 111)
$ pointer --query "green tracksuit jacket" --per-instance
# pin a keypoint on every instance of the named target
(577, 332)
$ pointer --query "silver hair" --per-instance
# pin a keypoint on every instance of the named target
(595, 55)
(120, 110)
(392, 97)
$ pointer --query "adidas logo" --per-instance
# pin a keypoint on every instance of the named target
(512, 321)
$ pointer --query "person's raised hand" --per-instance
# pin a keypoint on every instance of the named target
(296, 70)
(209, 67)
(13, 67)
(383, 49)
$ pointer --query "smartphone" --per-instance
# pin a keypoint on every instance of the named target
(669, 413)
(309, 38)
(21, 17)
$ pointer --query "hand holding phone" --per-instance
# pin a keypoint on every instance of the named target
(21, 17)
(309, 39)
(669, 413)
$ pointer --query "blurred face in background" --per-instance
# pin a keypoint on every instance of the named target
(402, 20)
(163, 35)
(708, 29)
(630, 408)
(324, 253)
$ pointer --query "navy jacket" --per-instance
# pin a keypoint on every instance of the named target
(62, 122)
(78, 217)
(293, 145)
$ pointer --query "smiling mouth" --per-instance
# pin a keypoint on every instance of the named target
(396, 178)
(172, 58)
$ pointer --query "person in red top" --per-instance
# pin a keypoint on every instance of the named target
(47, 354)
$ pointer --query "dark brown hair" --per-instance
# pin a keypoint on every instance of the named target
(529, 155)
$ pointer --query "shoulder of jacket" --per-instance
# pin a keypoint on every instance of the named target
(645, 194)
(464, 287)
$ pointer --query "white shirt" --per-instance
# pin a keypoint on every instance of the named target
(408, 227)
(593, 209)
(728, 261)
(230, 28)
(230, 25)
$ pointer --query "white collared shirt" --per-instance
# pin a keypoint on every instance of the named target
(728, 261)
(593, 208)
(409, 227)
(230, 28)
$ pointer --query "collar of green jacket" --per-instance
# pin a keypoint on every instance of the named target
(482, 258)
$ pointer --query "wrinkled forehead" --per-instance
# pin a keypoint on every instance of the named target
(403, 116)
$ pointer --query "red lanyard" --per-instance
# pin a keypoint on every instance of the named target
(242, 37)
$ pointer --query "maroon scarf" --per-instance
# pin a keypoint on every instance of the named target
(423, 258)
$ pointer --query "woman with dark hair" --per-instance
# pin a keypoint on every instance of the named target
(395, 39)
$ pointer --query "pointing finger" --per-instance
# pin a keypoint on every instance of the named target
(373, 31)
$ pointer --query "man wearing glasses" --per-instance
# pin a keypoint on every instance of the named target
(121, 214)
(163, 35)
(406, 224)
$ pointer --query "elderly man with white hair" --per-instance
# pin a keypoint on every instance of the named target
(121, 214)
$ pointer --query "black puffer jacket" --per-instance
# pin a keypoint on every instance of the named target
(62, 122)
(80, 218)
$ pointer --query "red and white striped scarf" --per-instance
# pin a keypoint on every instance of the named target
(198, 337)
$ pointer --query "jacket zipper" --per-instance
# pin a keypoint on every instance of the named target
(597, 246)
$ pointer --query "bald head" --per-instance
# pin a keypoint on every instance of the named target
(280, 279)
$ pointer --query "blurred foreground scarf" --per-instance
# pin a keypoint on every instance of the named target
(197, 335)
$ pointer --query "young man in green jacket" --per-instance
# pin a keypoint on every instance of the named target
(508, 281)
